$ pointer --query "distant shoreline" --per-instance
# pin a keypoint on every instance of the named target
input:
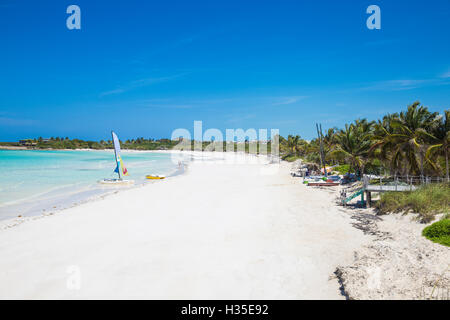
(53, 200)
(13, 148)
(51, 149)
(129, 150)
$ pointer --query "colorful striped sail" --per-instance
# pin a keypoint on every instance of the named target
(120, 165)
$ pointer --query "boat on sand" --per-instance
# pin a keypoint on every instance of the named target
(322, 181)
(121, 170)
(155, 177)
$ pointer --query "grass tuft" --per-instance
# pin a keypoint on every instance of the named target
(290, 158)
(427, 201)
(438, 232)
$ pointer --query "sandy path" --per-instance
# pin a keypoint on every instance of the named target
(217, 232)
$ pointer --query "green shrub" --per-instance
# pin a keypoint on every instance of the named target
(427, 201)
(342, 169)
(438, 232)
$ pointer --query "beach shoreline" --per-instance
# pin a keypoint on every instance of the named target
(49, 202)
(13, 148)
(18, 148)
(55, 205)
(221, 230)
(65, 194)
(232, 231)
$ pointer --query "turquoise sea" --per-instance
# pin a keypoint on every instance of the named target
(33, 182)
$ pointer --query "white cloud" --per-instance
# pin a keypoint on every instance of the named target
(445, 75)
(108, 93)
(401, 84)
(141, 83)
(168, 106)
(288, 100)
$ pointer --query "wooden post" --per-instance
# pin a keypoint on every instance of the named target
(322, 154)
(369, 198)
(365, 181)
(362, 198)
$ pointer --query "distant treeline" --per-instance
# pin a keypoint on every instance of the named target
(140, 144)
(415, 142)
(66, 143)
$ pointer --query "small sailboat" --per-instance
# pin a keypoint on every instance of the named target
(121, 170)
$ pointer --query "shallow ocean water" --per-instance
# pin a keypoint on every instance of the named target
(34, 181)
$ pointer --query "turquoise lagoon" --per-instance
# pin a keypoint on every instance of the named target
(34, 182)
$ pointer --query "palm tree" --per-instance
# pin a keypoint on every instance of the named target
(312, 151)
(328, 143)
(384, 141)
(301, 147)
(412, 136)
(354, 143)
(442, 142)
(293, 144)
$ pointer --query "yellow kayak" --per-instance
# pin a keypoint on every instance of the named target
(155, 177)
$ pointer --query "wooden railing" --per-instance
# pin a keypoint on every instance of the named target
(400, 183)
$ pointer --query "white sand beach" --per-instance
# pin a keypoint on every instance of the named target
(220, 231)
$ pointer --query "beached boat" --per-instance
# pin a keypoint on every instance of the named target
(327, 183)
(322, 181)
(121, 170)
(309, 179)
(155, 177)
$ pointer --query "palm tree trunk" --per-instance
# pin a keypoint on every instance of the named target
(421, 164)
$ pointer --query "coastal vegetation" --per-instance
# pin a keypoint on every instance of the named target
(438, 232)
(427, 201)
(72, 144)
(342, 169)
(414, 142)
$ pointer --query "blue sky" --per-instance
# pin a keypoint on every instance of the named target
(145, 68)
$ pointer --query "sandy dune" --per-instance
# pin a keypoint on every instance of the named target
(221, 231)
(399, 264)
